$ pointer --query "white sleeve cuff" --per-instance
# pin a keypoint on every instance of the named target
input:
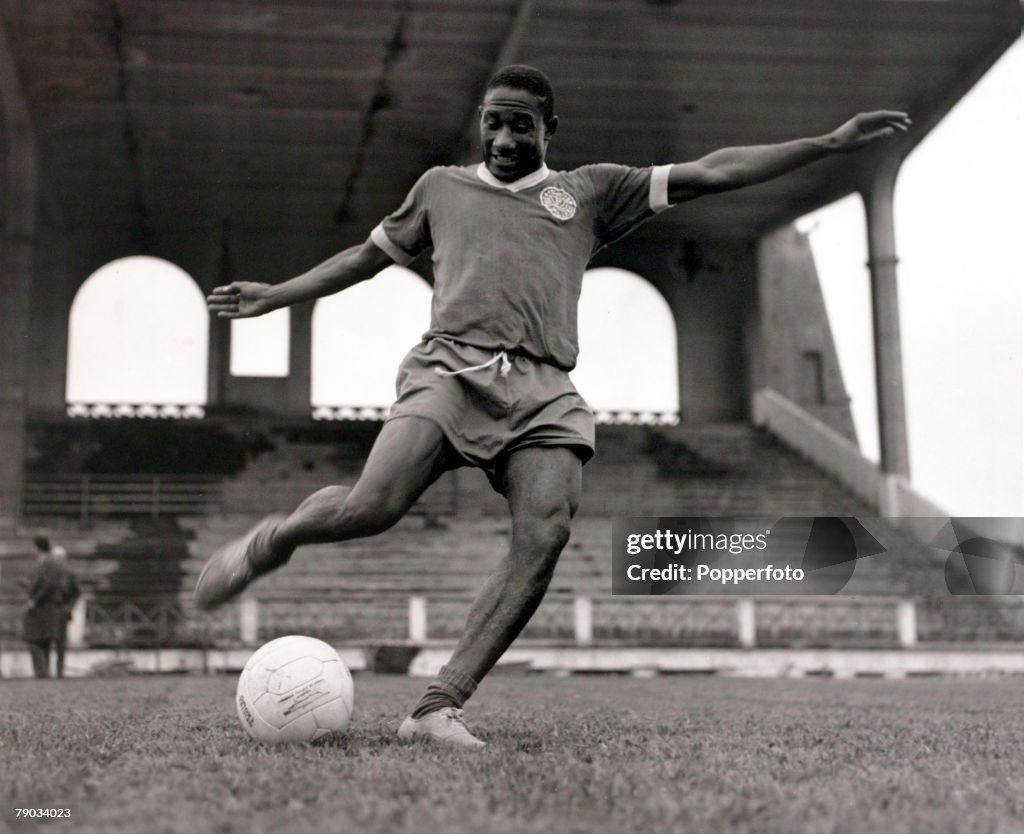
(398, 255)
(659, 187)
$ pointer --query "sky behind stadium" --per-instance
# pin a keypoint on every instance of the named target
(959, 219)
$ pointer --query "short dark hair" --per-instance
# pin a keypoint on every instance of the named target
(42, 543)
(531, 79)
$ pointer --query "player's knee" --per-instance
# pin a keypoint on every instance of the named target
(546, 533)
(370, 512)
(556, 532)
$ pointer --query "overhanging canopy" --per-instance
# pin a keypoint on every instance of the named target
(316, 117)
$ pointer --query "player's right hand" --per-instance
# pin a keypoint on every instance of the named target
(865, 128)
(239, 300)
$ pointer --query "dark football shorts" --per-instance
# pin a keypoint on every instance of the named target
(489, 404)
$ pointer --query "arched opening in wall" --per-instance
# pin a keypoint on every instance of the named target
(627, 367)
(138, 337)
(260, 346)
(360, 337)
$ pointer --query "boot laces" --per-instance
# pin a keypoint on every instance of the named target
(453, 715)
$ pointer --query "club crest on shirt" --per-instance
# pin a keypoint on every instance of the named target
(560, 204)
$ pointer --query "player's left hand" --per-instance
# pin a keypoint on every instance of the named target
(865, 128)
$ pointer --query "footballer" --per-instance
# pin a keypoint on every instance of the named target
(488, 386)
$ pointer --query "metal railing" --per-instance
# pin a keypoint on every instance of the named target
(110, 496)
(777, 622)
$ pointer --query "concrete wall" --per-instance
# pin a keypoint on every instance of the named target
(711, 289)
(66, 258)
(795, 353)
(732, 334)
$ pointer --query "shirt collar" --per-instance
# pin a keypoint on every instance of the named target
(530, 180)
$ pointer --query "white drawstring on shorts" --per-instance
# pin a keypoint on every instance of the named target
(501, 356)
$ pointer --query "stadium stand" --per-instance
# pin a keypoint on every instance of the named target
(138, 572)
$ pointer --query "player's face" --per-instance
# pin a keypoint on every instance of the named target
(513, 133)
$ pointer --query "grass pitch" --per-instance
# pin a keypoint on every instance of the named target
(583, 754)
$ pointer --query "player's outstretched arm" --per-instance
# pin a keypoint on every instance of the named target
(246, 299)
(731, 168)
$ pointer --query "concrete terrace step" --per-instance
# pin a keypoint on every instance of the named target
(639, 471)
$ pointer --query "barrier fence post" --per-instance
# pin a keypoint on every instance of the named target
(906, 623)
(76, 625)
(417, 619)
(583, 620)
(746, 623)
(249, 619)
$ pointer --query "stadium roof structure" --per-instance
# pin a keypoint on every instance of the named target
(315, 116)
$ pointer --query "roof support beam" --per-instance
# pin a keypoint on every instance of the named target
(20, 191)
(892, 418)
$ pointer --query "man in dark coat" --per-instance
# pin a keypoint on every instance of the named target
(52, 591)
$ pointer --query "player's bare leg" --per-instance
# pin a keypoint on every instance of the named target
(542, 485)
(408, 456)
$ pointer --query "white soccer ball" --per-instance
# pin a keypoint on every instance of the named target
(294, 689)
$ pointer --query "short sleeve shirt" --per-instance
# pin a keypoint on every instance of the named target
(509, 258)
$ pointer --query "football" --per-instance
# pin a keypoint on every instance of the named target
(294, 689)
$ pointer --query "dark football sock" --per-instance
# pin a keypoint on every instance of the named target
(451, 688)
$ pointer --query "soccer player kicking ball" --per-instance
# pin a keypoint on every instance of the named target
(489, 384)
